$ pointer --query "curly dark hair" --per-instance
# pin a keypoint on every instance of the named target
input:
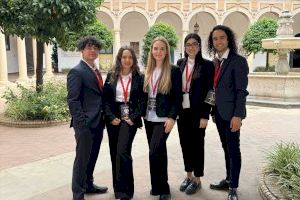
(199, 58)
(87, 41)
(230, 37)
(116, 70)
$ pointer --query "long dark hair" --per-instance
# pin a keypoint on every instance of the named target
(116, 70)
(230, 37)
(199, 58)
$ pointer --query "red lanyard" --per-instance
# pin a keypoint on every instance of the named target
(125, 92)
(154, 87)
(188, 77)
(218, 66)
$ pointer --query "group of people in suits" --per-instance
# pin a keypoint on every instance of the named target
(189, 93)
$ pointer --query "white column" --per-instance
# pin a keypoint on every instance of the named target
(22, 59)
(3, 61)
(250, 60)
(184, 34)
(34, 55)
(48, 62)
(117, 43)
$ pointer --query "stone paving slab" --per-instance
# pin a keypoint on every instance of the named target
(48, 176)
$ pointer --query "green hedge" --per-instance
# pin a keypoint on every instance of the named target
(284, 162)
(27, 104)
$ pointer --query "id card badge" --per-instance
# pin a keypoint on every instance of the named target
(186, 101)
(152, 104)
(210, 97)
(124, 111)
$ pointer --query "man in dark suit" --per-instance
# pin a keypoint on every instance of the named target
(230, 84)
(84, 84)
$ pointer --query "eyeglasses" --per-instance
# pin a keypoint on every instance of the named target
(92, 47)
(195, 44)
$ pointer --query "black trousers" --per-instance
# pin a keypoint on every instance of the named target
(88, 141)
(231, 146)
(158, 157)
(120, 143)
(192, 142)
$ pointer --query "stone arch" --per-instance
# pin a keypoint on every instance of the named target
(206, 22)
(296, 24)
(134, 9)
(246, 13)
(176, 12)
(239, 23)
(106, 19)
(175, 20)
(210, 11)
(132, 35)
(268, 12)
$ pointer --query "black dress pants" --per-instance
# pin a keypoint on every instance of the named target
(192, 142)
(231, 146)
(88, 141)
(158, 157)
(120, 143)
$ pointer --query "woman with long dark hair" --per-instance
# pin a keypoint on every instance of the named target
(123, 89)
(197, 80)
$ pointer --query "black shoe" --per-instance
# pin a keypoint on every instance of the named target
(153, 194)
(95, 189)
(193, 188)
(232, 195)
(165, 197)
(124, 198)
(222, 185)
(185, 184)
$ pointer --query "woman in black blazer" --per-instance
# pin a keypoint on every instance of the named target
(197, 80)
(123, 89)
(162, 87)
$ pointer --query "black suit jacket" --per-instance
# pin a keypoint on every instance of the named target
(231, 88)
(167, 105)
(84, 97)
(112, 110)
(201, 83)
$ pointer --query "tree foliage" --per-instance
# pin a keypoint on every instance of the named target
(262, 29)
(159, 29)
(45, 20)
(97, 29)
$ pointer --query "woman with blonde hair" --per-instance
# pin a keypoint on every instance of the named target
(162, 92)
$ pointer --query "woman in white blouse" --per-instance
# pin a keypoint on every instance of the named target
(162, 87)
(123, 89)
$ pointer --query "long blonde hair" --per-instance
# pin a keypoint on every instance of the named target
(165, 83)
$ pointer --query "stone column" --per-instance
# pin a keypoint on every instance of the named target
(184, 34)
(3, 61)
(34, 55)
(22, 59)
(117, 42)
(48, 62)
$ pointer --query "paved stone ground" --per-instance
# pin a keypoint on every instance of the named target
(36, 164)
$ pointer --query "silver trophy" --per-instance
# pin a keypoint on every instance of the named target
(210, 98)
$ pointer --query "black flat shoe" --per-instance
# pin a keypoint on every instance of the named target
(222, 185)
(232, 195)
(185, 184)
(94, 189)
(165, 197)
(193, 188)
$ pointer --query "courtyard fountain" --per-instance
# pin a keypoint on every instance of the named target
(281, 88)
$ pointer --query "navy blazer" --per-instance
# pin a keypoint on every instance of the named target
(167, 105)
(112, 110)
(231, 88)
(201, 83)
(84, 97)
